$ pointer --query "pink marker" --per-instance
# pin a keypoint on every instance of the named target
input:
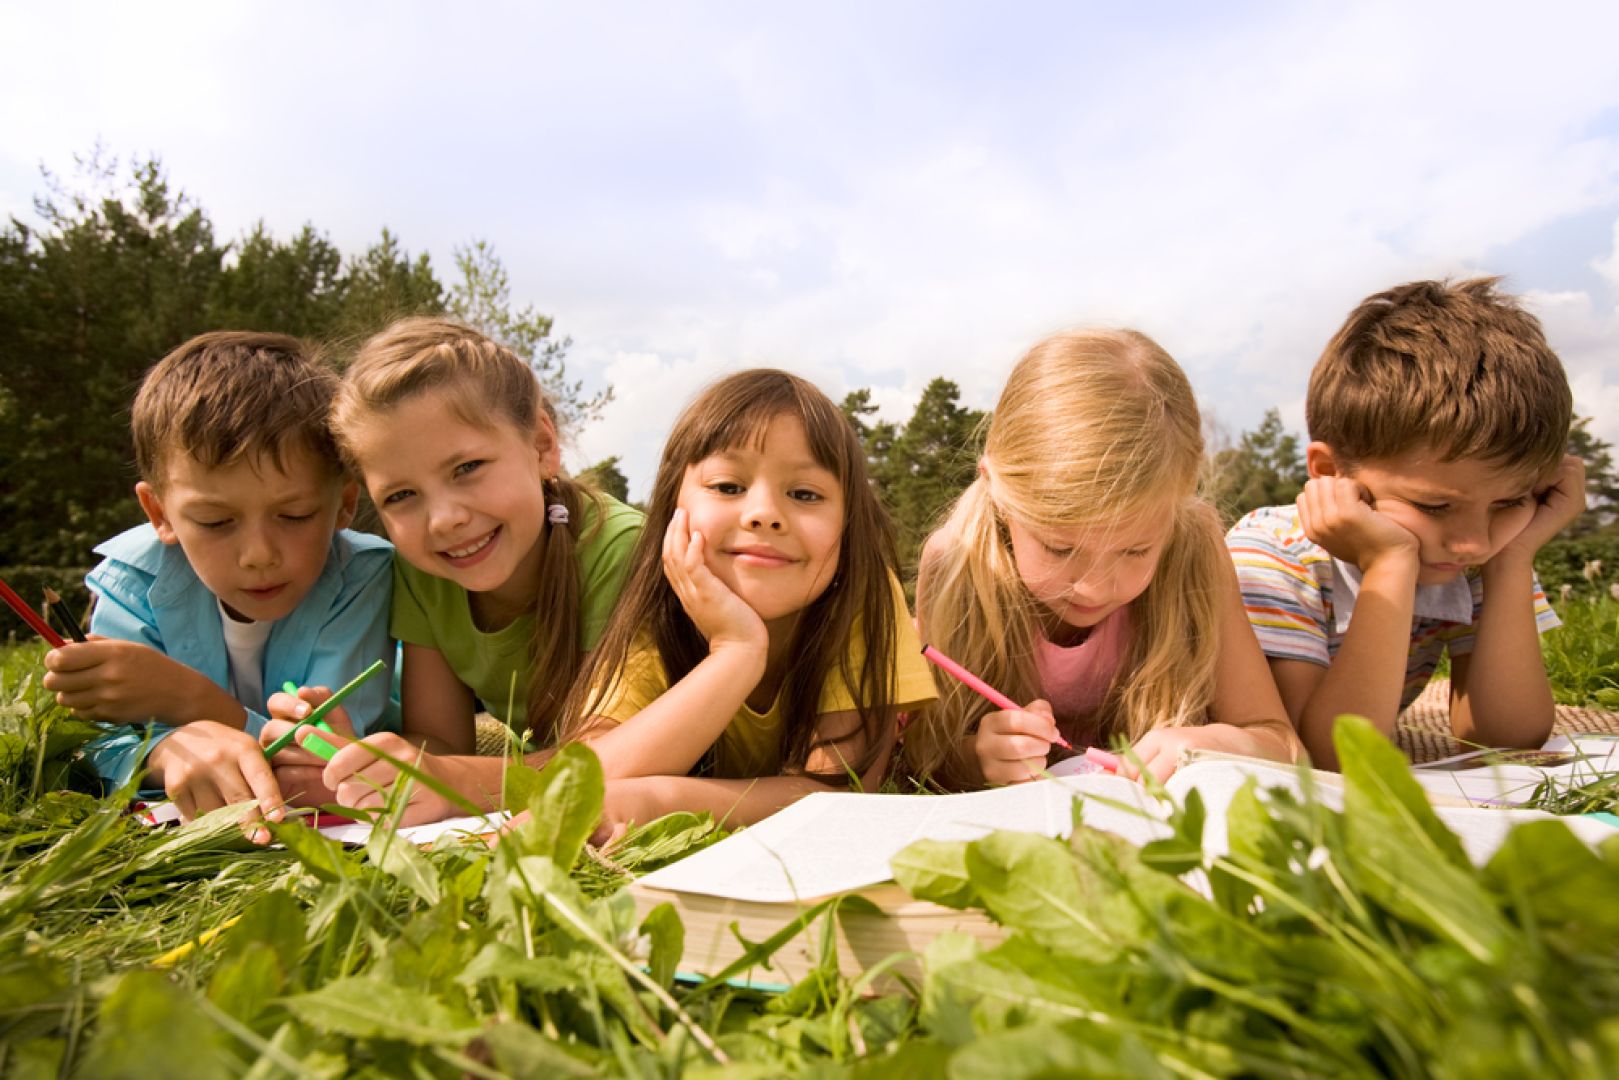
(983, 689)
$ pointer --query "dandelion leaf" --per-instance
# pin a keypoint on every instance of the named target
(1053, 1051)
(563, 808)
(1551, 874)
(519, 1050)
(1402, 855)
(368, 1007)
(666, 937)
(936, 870)
(150, 1027)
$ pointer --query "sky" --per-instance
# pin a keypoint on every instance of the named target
(878, 194)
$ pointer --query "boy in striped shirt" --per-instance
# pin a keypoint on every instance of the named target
(1438, 420)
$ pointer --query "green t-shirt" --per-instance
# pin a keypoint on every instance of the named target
(433, 611)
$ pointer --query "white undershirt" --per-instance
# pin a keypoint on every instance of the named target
(244, 644)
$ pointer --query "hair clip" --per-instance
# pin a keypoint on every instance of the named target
(556, 514)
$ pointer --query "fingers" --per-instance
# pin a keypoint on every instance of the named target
(1013, 745)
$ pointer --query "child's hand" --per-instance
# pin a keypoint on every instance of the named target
(1012, 747)
(299, 772)
(206, 765)
(124, 682)
(1160, 749)
(625, 804)
(1336, 512)
(359, 779)
(1559, 499)
(721, 616)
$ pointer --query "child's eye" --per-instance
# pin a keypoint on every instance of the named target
(806, 496)
(393, 498)
(726, 487)
(1058, 552)
(468, 467)
(220, 524)
(298, 517)
(1512, 504)
(1432, 509)
(1136, 553)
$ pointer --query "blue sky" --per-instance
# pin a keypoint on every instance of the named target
(878, 194)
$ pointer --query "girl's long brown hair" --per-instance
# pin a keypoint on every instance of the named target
(735, 411)
(484, 382)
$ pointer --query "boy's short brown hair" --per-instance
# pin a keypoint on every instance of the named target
(1456, 367)
(229, 395)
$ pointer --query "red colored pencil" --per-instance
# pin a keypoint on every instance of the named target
(979, 686)
(30, 616)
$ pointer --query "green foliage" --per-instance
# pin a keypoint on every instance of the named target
(1265, 468)
(124, 267)
(919, 469)
(482, 299)
(1582, 655)
(1359, 943)
(606, 476)
(1601, 481)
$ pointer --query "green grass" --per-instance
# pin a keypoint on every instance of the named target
(1582, 656)
(1353, 944)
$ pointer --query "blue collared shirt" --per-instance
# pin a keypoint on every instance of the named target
(147, 592)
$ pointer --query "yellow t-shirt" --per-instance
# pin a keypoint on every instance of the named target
(751, 743)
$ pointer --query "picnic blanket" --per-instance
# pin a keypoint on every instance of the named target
(1423, 730)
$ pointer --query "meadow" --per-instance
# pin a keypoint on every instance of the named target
(1360, 943)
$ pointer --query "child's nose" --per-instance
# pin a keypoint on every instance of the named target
(763, 512)
(1468, 540)
(256, 550)
(446, 515)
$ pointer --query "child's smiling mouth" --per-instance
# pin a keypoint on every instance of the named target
(472, 552)
(761, 556)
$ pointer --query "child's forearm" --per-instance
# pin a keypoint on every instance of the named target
(1504, 698)
(1368, 673)
(672, 734)
(200, 698)
(731, 802)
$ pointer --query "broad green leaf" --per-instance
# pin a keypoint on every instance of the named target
(519, 1050)
(1074, 1049)
(276, 920)
(323, 858)
(935, 870)
(1403, 856)
(149, 1027)
(1377, 778)
(246, 981)
(916, 1059)
(667, 938)
(519, 784)
(36, 1059)
(502, 963)
(1546, 869)
(404, 862)
(365, 1007)
(564, 808)
(1183, 851)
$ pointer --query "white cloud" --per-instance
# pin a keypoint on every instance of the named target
(881, 195)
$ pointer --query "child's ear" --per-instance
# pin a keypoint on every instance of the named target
(1319, 461)
(349, 503)
(152, 503)
(547, 443)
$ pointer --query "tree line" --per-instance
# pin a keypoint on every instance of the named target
(121, 266)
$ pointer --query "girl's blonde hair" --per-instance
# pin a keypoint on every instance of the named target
(1094, 426)
(733, 412)
(484, 383)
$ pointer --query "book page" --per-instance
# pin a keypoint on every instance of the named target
(359, 832)
(832, 842)
(1511, 777)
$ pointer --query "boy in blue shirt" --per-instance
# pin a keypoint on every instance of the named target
(244, 578)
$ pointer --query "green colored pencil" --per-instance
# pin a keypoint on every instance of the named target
(320, 711)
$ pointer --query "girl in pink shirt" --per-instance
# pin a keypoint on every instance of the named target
(1083, 573)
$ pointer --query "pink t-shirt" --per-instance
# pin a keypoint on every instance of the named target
(1076, 679)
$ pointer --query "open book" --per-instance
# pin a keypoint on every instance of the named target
(831, 844)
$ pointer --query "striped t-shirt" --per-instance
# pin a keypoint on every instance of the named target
(1287, 585)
